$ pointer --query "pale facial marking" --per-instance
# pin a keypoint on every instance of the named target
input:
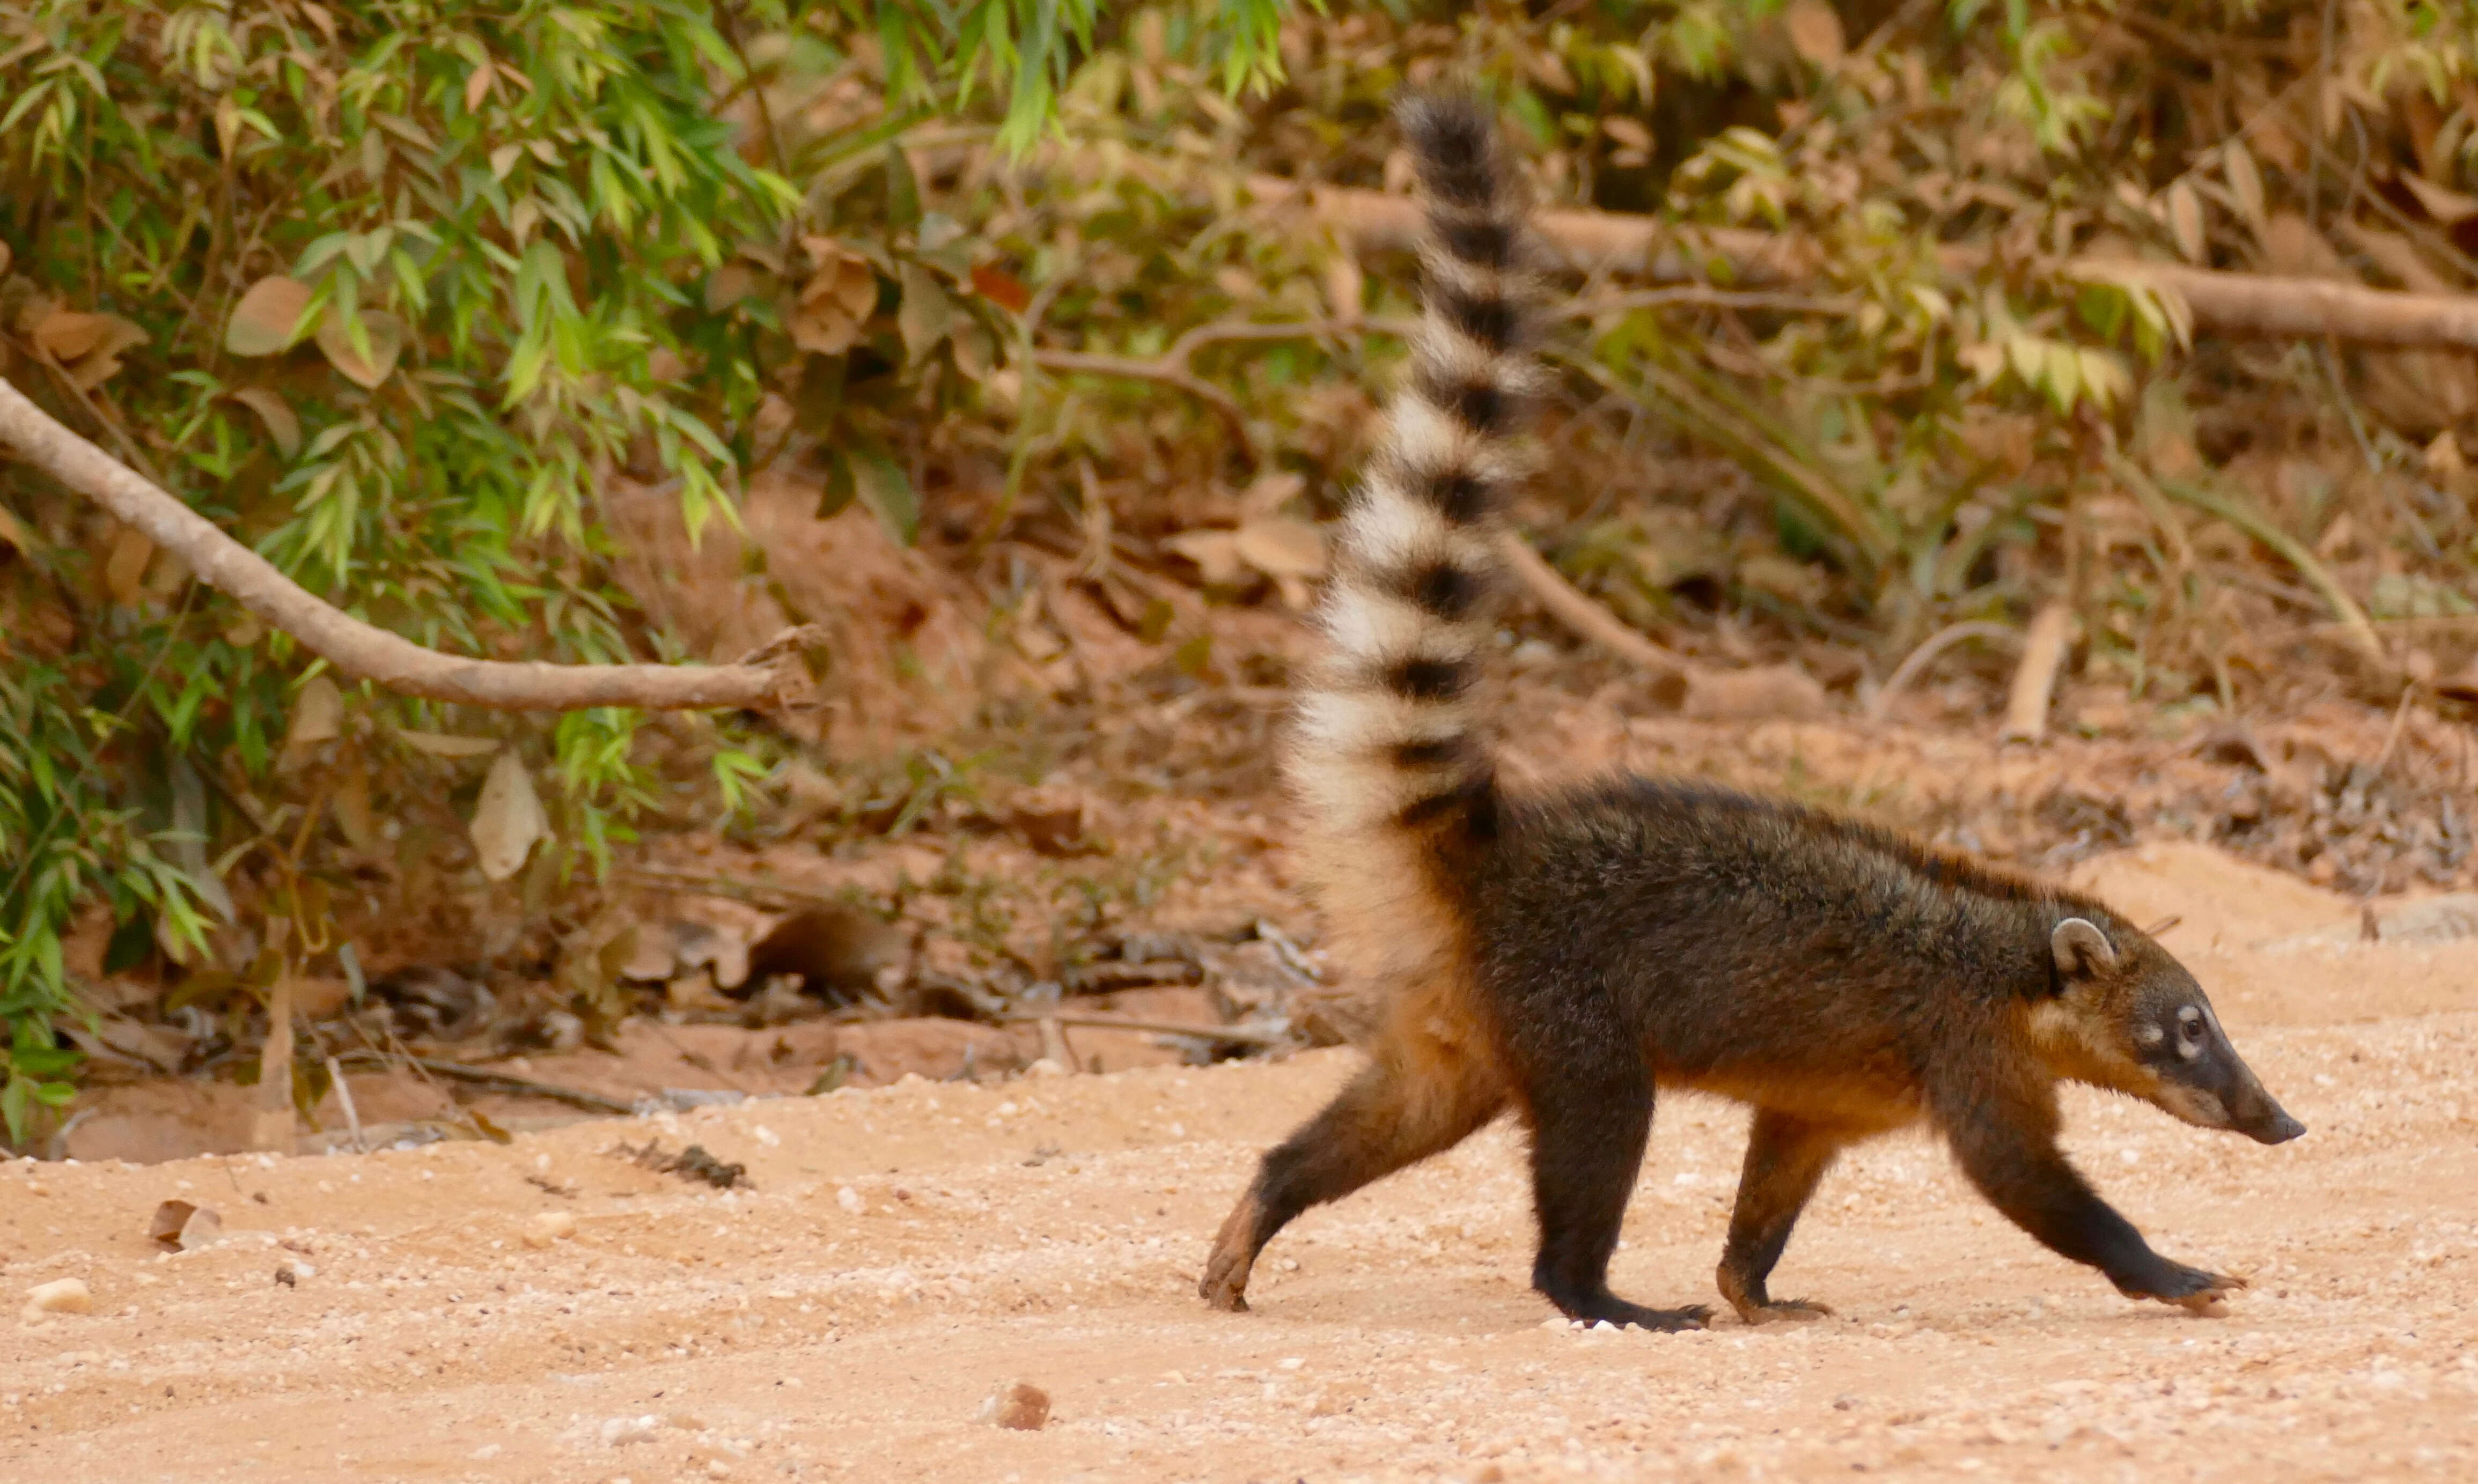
(2189, 1032)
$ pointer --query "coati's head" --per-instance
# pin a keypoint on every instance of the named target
(2128, 1016)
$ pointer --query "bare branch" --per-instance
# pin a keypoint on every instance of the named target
(355, 649)
(1646, 247)
(1561, 601)
(1166, 372)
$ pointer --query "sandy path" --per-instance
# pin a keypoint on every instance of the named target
(1051, 1229)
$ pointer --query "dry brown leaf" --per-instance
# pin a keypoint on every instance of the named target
(1814, 30)
(86, 347)
(353, 812)
(2245, 182)
(1215, 553)
(2444, 455)
(317, 714)
(124, 569)
(837, 300)
(67, 335)
(477, 87)
(2185, 220)
(926, 314)
(385, 335)
(2447, 206)
(268, 319)
(1281, 547)
(272, 409)
(507, 820)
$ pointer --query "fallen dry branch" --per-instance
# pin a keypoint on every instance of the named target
(357, 649)
(1645, 247)
(1560, 600)
(490, 1081)
(1235, 1035)
(751, 890)
(2034, 678)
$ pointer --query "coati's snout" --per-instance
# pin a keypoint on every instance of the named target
(2139, 1009)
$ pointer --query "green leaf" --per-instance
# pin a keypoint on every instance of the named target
(16, 1103)
(902, 191)
(886, 490)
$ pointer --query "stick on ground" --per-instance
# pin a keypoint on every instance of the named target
(2034, 679)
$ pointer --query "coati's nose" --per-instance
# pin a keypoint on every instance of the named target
(2278, 1129)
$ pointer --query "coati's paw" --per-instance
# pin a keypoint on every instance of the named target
(1754, 1306)
(1797, 1309)
(2187, 1287)
(1667, 1321)
(1224, 1284)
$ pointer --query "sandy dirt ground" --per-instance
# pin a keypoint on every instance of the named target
(907, 1251)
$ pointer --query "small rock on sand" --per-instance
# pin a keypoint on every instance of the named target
(1023, 1407)
(548, 1227)
(70, 1296)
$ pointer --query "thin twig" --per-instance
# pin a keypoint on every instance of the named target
(1928, 652)
(344, 1096)
(1235, 1035)
(1129, 369)
(507, 1083)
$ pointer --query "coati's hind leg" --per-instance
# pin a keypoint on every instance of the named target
(1413, 1101)
(1589, 1124)
(1786, 1157)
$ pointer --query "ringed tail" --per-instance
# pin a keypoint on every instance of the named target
(1387, 739)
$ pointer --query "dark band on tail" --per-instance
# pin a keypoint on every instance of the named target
(1386, 738)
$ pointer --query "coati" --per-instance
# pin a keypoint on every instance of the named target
(1567, 952)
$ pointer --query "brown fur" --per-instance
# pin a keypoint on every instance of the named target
(1567, 952)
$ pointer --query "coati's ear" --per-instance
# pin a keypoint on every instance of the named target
(2083, 952)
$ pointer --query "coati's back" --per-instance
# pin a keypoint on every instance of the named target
(1744, 937)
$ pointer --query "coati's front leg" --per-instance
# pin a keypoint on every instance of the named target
(1786, 1157)
(1589, 1124)
(1397, 1111)
(2007, 1145)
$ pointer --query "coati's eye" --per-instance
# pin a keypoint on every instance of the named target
(2189, 1032)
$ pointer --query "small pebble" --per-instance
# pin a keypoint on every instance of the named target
(620, 1432)
(850, 1200)
(1022, 1407)
(548, 1227)
(61, 1296)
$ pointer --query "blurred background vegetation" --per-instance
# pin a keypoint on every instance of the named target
(405, 294)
